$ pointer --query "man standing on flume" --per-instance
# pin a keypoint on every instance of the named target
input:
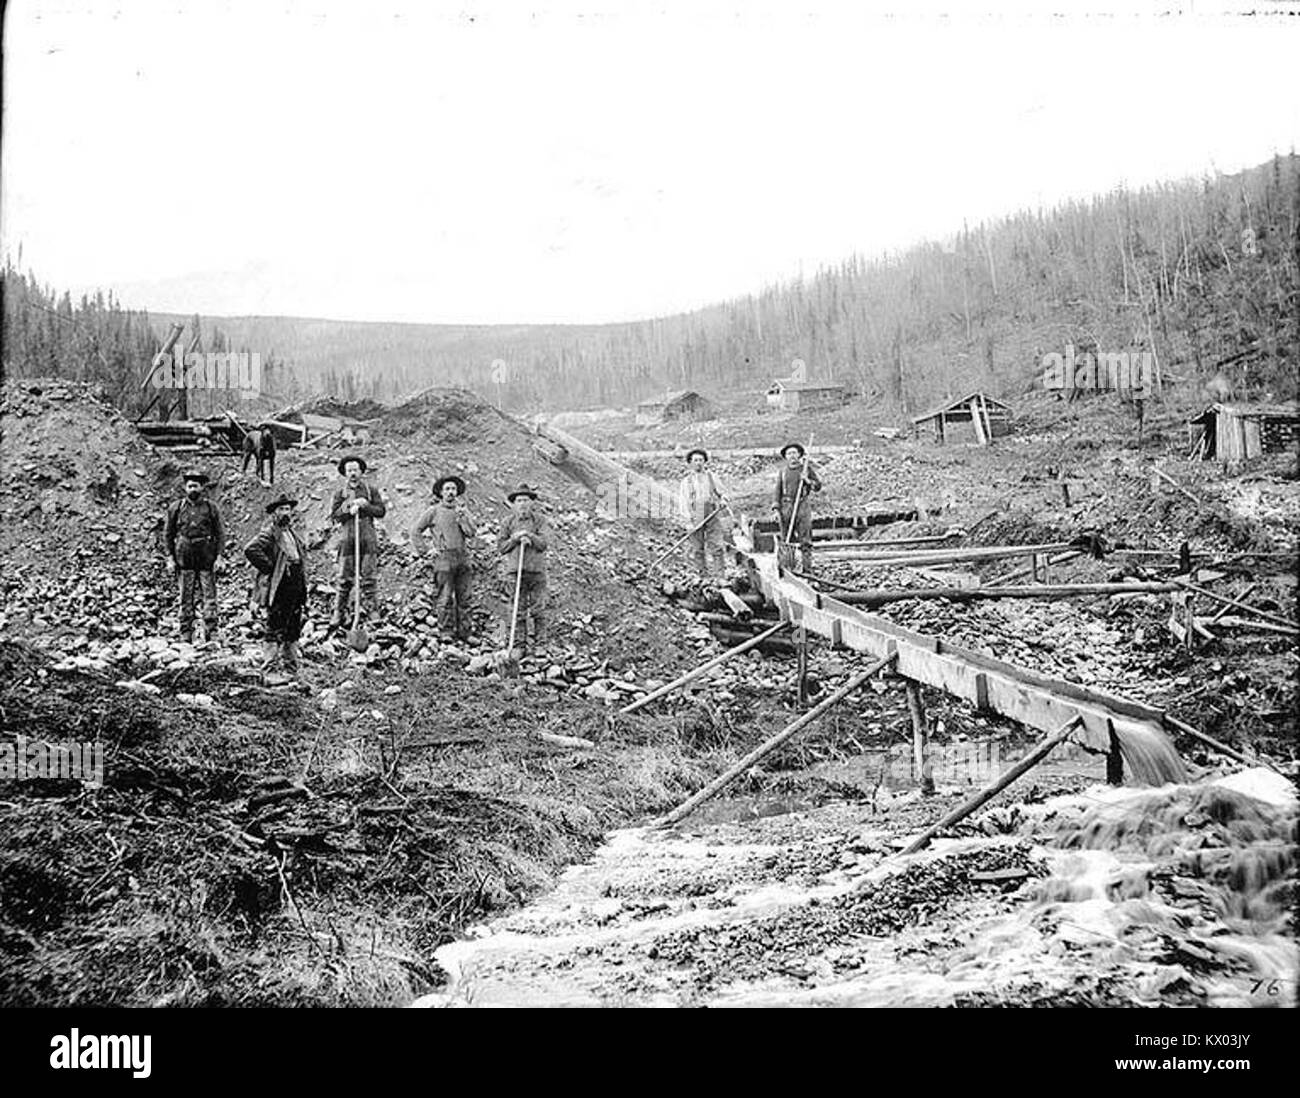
(195, 538)
(356, 502)
(526, 531)
(450, 527)
(280, 558)
(794, 470)
(701, 498)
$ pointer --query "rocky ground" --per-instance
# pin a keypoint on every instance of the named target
(316, 842)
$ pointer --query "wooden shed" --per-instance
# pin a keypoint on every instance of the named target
(987, 418)
(678, 404)
(790, 395)
(1234, 433)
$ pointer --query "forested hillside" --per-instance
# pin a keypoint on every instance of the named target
(1195, 271)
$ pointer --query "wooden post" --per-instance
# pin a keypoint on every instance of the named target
(920, 761)
(980, 436)
(1114, 760)
(801, 646)
(1037, 755)
(704, 668)
(767, 747)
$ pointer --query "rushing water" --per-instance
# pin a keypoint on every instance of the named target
(1177, 895)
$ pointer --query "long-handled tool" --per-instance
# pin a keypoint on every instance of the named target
(798, 497)
(357, 637)
(681, 541)
(507, 662)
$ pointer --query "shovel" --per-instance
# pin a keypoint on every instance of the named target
(507, 662)
(680, 541)
(786, 555)
(357, 637)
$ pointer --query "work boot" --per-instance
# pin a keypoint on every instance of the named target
(289, 655)
(270, 654)
(209, 631)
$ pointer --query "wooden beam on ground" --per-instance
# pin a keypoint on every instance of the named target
(880, 597)
(1215, 745)
(1037, 755)
(738, 607)
(705, 668)
(939, 556)
(1264, 615)
(768, 746)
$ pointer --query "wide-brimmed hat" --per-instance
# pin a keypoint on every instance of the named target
(280, 501)
(449, 479)
(792, 446)
(698, 450)
(343, 463)
(522, 490)
(194, 474)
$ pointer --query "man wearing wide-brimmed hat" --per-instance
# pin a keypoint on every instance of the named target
(356, 502)
(796, 481)
(702, 498)
(450, 526)
(195, 538)
(280, 558)
(526, 531)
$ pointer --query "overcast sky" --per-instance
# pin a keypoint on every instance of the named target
(488, 163)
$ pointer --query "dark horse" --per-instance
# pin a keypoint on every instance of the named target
(259, 443)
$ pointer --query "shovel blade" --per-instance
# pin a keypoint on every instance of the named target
(357, 639)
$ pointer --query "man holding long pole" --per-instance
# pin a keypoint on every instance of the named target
(702, 498)
(795, 482)
(356, 506)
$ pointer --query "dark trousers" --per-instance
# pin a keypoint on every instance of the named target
(802, 533)
(284, 615)
(532, 607)
(194, 581)
(345, 576)
(452, 594)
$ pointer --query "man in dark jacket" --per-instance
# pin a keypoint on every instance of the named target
(356, 506)
(280, 557)
(450, 526)
(526, 531)
(795, 483)
(195, 538)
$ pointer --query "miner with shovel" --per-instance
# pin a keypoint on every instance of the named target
(195, 538)
(795, 482)
(356, 506)
(522, 543)
(702, 500)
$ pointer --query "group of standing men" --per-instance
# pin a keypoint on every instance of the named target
(195, 544)
(703, 500)
(195, 539)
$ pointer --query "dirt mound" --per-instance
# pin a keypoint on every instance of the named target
(365, 409)
(448, 417)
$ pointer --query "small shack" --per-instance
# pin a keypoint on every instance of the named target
(1234, 433)
(988, 418)
(791, 395)
(675, 405)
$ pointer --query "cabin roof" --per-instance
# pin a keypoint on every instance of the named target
(805, 386)
(959, 404)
